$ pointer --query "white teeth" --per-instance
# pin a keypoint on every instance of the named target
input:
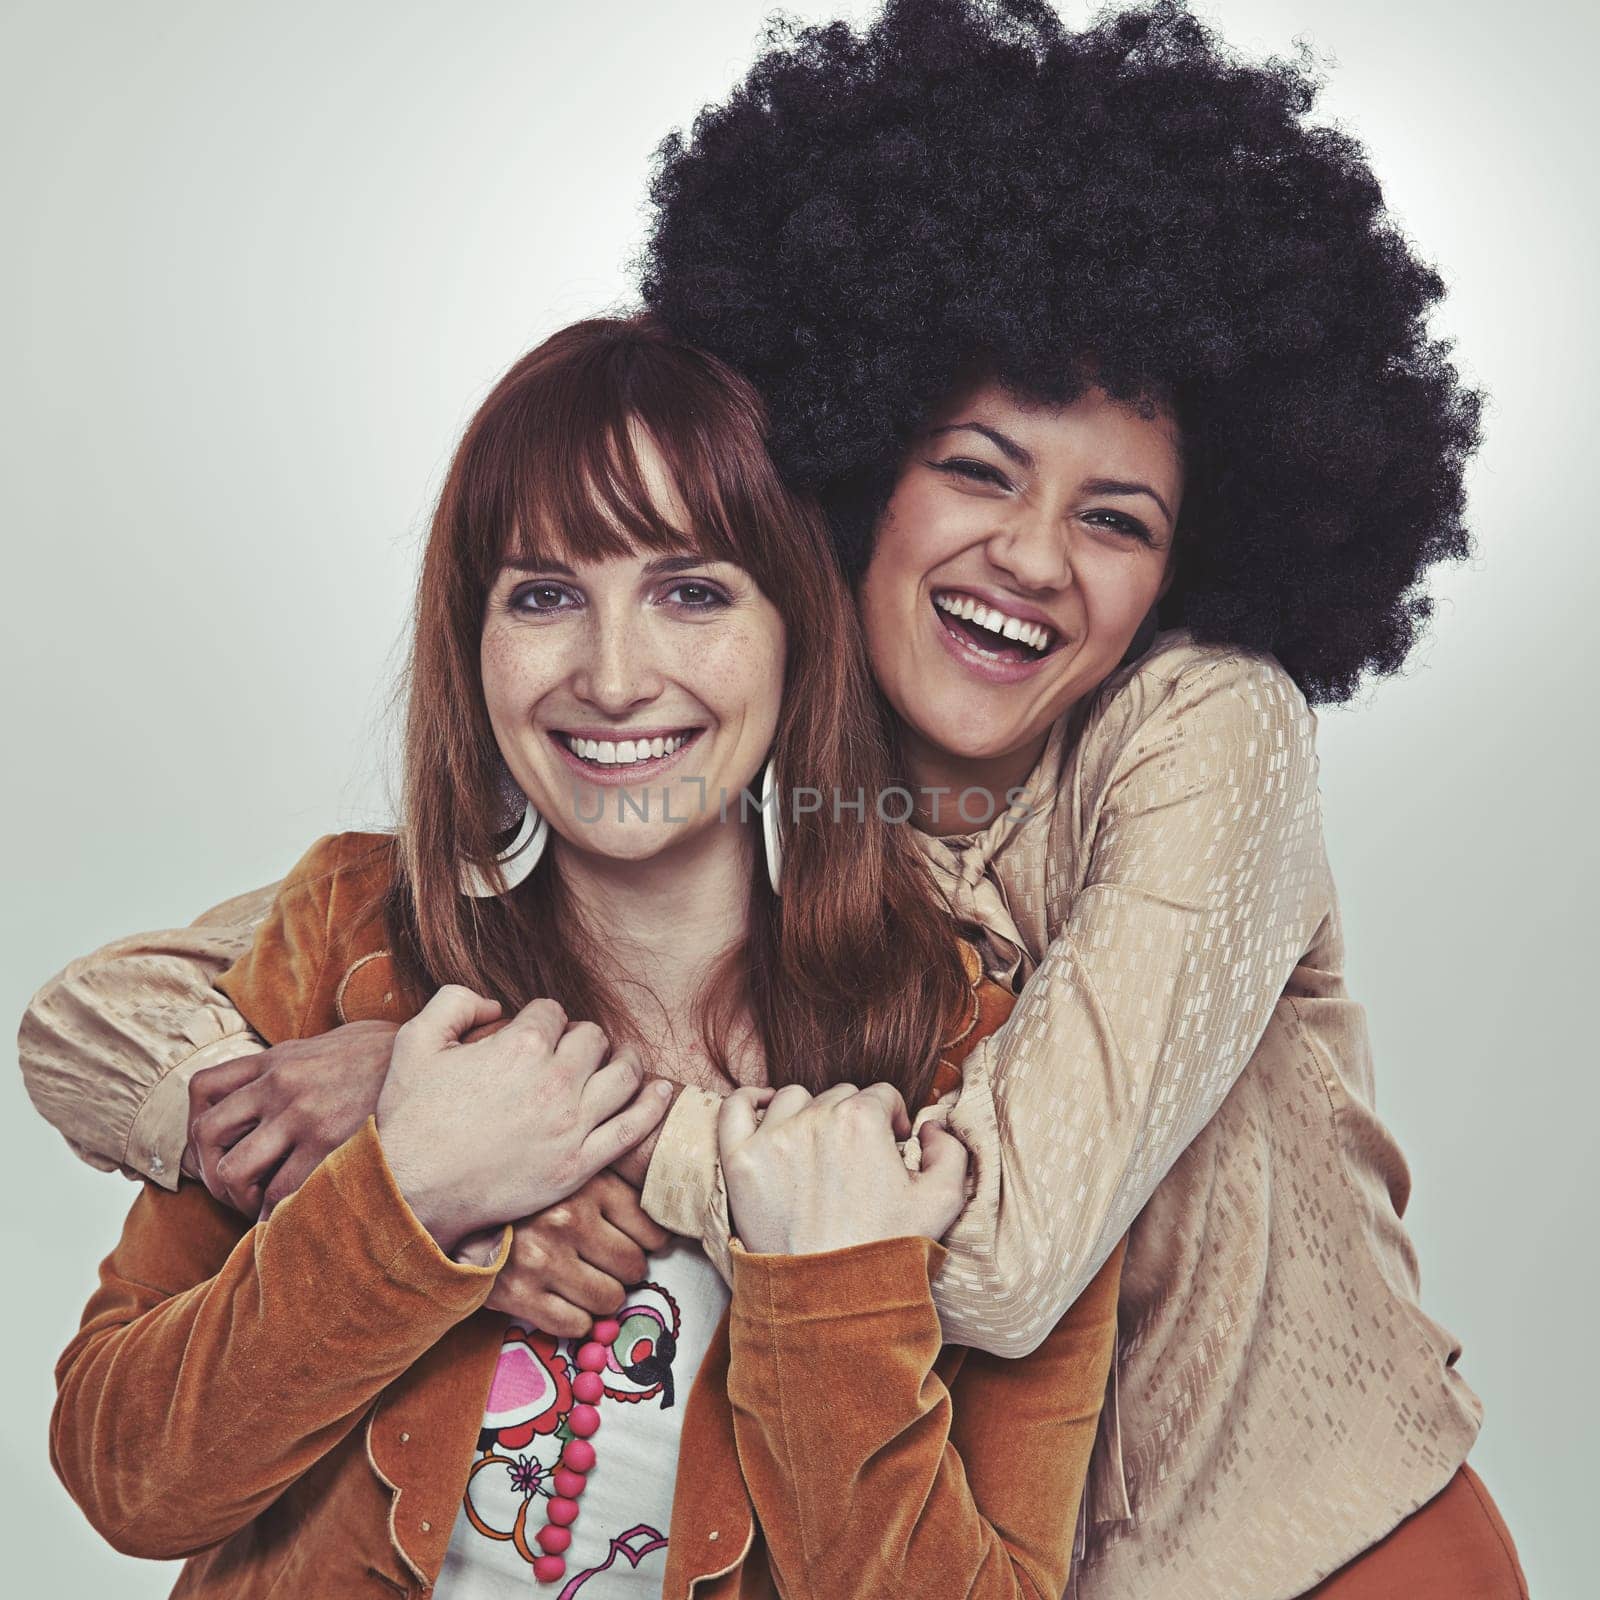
(1032, 634)
(624, 752)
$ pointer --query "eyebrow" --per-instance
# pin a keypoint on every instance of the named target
(1006, 446)
(653, 569)
(528, 564)
(1011, 448)
(1123, 486)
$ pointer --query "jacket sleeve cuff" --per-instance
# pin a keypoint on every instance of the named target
(682, 1176)
(863, 1280)
(387, 1233)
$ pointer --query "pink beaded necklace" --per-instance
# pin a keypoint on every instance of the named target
(577, 1458)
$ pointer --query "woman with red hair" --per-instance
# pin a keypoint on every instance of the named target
(624, 620)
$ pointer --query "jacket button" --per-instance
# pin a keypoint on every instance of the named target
(405, 1438)
(427, 1527)
(712, 1534)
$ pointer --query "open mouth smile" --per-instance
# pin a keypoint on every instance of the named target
(995, 644)
(635, 757)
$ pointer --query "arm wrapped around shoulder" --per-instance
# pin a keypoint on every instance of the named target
(108, 1045)
(1186, 881)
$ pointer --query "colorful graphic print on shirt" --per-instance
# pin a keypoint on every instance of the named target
(525, 1425)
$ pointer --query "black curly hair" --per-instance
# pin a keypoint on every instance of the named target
(971, 185)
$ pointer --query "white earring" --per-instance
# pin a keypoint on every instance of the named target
(520, 858)
(771, 834)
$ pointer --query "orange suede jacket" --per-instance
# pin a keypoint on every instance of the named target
(294, 1405)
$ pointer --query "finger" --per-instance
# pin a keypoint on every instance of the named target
(230, 1118)
(788, 1102)
(613, 1086)
(636, 1121)
(296, 1167)
(453, 1011)
(620, 1206)
(893, 1104)
(835, 1092)
(211, 1084)
(222, 1126)
(944, 1157)
(609, 1250)
(736, 1117)
(583, 1048)
(544, 1020)
(239, 1177)
(546, 1312)
(589, 1288)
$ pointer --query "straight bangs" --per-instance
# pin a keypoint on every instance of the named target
(554, 471)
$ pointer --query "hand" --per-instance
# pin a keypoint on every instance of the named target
(575, 1261)
(477, 1134)
(259, 1126)
(823, 1173)
(632, 1165)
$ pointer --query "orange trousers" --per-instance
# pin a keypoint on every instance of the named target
(1456, 1547)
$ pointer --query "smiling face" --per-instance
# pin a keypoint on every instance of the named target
(629, 694)
(1019, 552)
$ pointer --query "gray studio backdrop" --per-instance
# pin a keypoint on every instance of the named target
(262, 262)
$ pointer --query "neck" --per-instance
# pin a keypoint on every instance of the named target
(939, 780)
(663, 923)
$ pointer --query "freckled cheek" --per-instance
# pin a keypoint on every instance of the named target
(517, 674)
(739, 675)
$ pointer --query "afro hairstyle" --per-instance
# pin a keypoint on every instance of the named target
(972, 185)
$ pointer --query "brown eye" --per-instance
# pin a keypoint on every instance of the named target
(697, 595)
(542, 597)
(1121, 522)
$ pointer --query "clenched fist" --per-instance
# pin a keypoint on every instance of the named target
(823, 1172)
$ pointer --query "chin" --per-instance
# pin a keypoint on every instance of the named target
(969, 742)
(620, 846)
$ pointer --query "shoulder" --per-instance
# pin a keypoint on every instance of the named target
(1222, 683)
(341, 863)
(327, 920)
(1187, 711)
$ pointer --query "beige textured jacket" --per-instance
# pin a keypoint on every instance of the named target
(1184, 1065)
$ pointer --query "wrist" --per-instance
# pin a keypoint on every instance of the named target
(430, 1202)
(477, 1249)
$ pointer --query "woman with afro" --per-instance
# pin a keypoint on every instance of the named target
(1111, 374)
(1089, 340)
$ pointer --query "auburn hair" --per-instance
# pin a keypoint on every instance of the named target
(853, 974)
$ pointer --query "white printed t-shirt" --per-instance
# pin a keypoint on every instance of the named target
(620, 1536)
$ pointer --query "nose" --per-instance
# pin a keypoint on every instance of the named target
(1032, 548)
(617, 671)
